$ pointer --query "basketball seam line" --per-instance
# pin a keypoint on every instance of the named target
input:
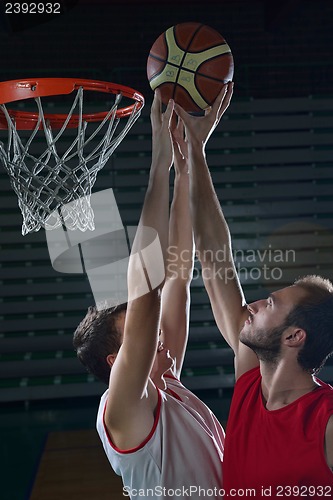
(188, 93)
(185, 54)
(191, 52)
(186, 69)
(166, 60)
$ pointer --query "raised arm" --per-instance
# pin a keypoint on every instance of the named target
(132, 400)
(176, 291)
(212, 236)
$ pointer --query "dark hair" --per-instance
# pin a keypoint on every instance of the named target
(314, 314)
(96, 337)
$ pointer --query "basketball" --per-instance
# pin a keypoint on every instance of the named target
(190, 62)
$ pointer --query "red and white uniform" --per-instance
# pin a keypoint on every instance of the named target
(183, 451)
(279, 451)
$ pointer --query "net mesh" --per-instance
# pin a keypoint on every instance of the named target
(66, 171)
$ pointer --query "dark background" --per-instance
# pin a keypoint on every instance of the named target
(282, 50)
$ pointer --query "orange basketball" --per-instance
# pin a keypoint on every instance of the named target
(190, 63)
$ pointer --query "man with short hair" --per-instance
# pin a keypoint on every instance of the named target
(279, 434)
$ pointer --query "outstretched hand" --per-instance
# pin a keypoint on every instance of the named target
(161, 134)
(199, 129)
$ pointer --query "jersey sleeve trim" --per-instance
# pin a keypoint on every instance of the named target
(145, 441)
(174, 394)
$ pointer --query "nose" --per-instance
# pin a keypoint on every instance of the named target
(253, 307)
(250, 308)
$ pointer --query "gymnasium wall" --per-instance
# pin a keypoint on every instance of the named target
(280, 48)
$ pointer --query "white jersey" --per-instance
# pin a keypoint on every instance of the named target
(181, 456)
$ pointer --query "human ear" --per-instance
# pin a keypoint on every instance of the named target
(110, 359)
(294, 337)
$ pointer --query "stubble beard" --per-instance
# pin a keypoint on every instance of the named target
(265, 343)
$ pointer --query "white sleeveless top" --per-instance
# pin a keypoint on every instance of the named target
(182, 454)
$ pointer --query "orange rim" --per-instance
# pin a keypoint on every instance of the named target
(16, 90)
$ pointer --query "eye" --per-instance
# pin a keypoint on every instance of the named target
(269, 302)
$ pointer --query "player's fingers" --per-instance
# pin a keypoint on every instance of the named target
(168, 112)
(176, 147)
(174, 123)
(217, 105)
(180, 112)
(226, 99)
(180, 129)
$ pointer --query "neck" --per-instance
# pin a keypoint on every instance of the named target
(284, 383)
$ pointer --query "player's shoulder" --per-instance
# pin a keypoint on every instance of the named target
(249, 376)
(321, 401)
(326, 390)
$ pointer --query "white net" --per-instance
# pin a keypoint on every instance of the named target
(66, 171)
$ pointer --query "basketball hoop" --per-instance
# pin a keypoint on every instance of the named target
(54, 186)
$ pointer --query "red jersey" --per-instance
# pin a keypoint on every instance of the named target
(277, 453)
